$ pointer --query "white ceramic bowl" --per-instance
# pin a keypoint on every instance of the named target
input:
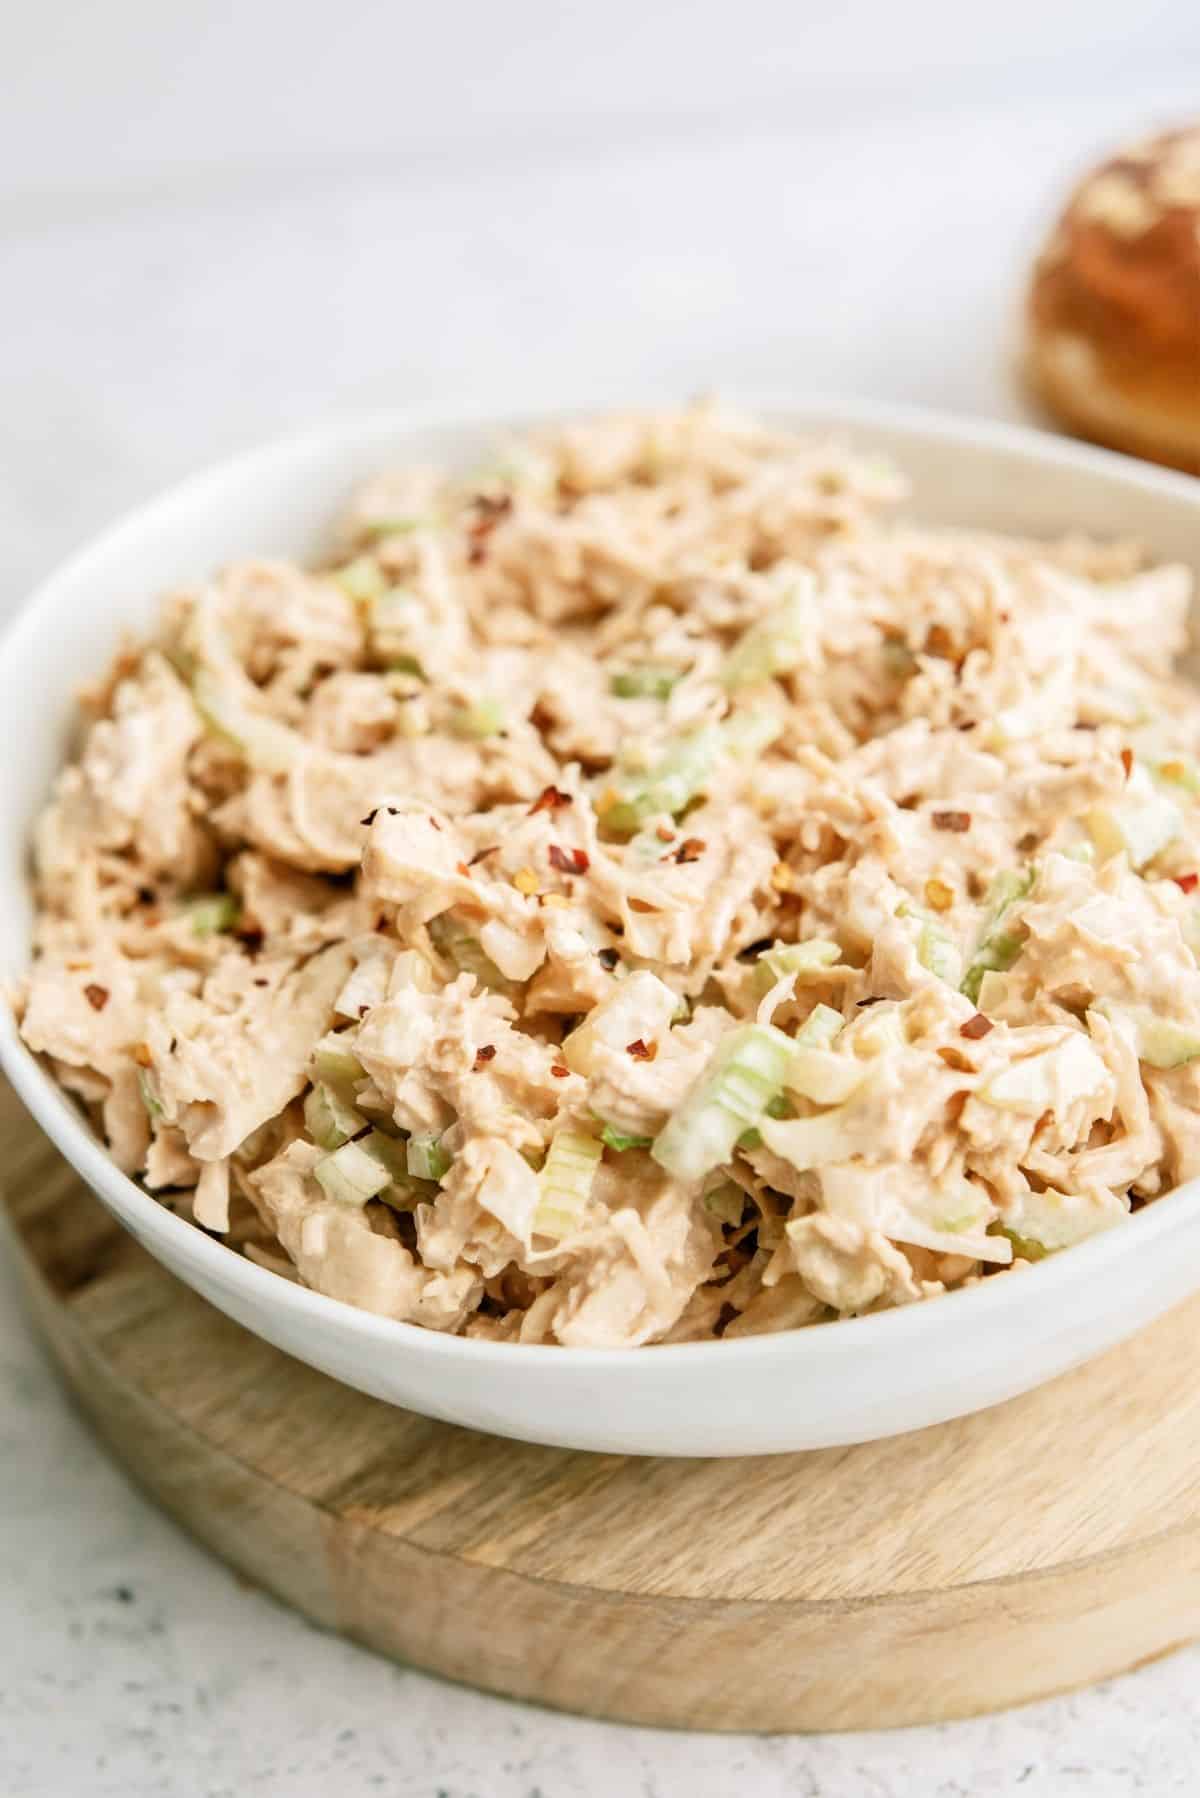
(842, 1382)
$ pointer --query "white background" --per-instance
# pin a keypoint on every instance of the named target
(227, 221)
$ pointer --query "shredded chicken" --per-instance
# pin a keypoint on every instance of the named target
(643, 891)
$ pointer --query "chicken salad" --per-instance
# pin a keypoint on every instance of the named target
(641, 890)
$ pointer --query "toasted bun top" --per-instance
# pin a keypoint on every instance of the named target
(1122, 268)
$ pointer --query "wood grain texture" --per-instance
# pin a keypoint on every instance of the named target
(979, 1564)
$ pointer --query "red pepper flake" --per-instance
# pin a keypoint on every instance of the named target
(489, 512)
(560, 1073)
(1127, 762)
(640, 1050)
(951, 820)
(485, 1053)
(96, 996)
(569, 861)
(691, 849)
(463, 869)
(1186, 882)
(664, 833)
(976, 1027)
(549, 800)
(493, 505)
(642, 905)
(433, 821)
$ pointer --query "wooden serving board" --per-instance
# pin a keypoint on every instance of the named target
(1038, 1546)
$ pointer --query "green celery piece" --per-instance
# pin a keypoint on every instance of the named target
(213, 913)
(330, 1119)
(485, 718)
(644, 683)
(686, 769)
(820, 1028)
(620, 1140)
(747, 1070)
(426, 1159)
(777, 644)
(997, 949)
(362, 580)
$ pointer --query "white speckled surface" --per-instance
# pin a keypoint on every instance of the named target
(216, 234)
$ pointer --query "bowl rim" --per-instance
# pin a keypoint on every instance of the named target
(889, 1330)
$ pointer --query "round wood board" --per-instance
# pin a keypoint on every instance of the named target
(1038, 1546)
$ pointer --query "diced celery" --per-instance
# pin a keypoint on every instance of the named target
(824, 1077)
(334, 1061)
(620, 1140)
(1161, 1042)
(778, 643)
(467, 953)
(1038, 1223)
(482, 719)
(362, 580)
(746, 734)
(726, 1202)
(996, 956)
(879, 1030)
(937, 952)
(800, 959)
(565, 1183)
(149, 1096)
(685, 770)
(375, 528)
(329, 1119)
(426, 1159)
(997, 950)
(1141, 823)
(820, 1028)
(643, 683)
(668, 787)
(213, 913)
(1023, 1247)
(936, 949)
(747, 1070)
(352, 1174)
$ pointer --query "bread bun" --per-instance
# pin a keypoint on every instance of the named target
(1114, 305)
